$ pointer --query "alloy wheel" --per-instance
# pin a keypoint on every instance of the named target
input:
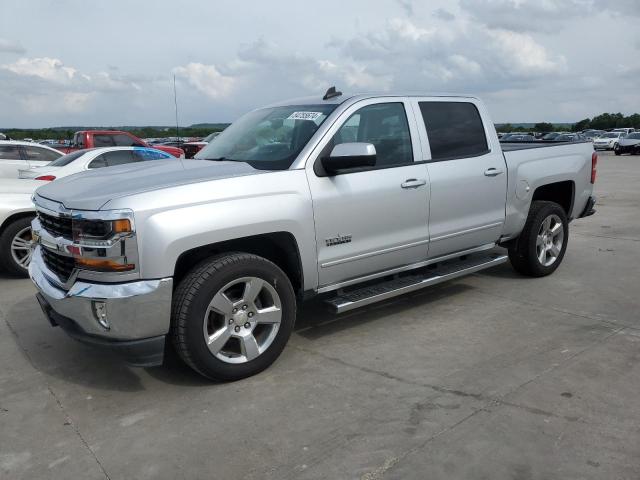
(549, 240)
(242, 320)
(21, 247)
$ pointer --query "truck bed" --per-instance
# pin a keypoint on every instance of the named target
(511, 146)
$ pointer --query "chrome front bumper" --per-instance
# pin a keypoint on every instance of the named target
(134, 310)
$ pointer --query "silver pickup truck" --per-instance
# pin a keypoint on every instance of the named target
(354, 198)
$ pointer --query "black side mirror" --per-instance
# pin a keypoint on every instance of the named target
(346, 156)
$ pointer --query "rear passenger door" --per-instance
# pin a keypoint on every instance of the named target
(467, 175)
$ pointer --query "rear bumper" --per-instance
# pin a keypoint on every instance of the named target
(131, 318)
(588, 209)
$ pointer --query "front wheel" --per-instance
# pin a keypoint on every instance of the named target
(541, 246)
(15, 247)
(232, 316)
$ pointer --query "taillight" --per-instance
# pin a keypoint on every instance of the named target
(46, 178)
(594, 164)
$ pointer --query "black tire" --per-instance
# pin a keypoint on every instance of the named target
(616, 149)
(8, 263)
(191, 300)
(523, 253)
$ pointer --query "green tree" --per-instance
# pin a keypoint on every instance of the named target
(582, 125)
(543, 127)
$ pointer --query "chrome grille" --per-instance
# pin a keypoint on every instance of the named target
(61, 265)
(56, 226)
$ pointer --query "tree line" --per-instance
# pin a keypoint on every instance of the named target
(604, 121)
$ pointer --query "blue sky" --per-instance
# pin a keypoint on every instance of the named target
(71, 62)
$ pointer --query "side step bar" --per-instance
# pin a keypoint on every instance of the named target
(378, 292)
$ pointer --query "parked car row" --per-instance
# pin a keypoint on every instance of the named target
(16, 207)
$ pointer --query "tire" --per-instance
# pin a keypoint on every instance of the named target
(616, 149)
(15, 247)
(538, 251)
(216, 327)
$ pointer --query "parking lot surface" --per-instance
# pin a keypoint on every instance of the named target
(492, 376)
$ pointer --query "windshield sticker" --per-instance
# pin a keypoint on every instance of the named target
(304, 116)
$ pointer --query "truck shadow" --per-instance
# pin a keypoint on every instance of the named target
(315, 321)
(52, 353)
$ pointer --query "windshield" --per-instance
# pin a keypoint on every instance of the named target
(67, 159)
(611, 135)
(269, 138)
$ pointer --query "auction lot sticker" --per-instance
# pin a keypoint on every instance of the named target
(304, 116)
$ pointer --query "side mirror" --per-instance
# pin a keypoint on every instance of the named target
(349, 155)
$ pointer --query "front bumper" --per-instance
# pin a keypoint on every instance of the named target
(137, 314)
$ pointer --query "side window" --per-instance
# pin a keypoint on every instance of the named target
(148, 154)
(40, 154)
(9, 152)
(385, 126)
(99, 162)
(122, 140)
(455, 129)
(103, 141)
(119, 157)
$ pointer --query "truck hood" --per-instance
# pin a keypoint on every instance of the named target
(90, 190)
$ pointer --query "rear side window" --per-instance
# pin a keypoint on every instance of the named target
(99, 162)
(103, 141)
(455, 130)
(40, 154)
(119, 157)
(149, 154)
(9, 152)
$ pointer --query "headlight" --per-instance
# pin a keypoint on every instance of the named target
(104, 245)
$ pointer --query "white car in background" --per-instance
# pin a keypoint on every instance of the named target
(15, 156)
(608, 141)
(16, 213)
(89, 159)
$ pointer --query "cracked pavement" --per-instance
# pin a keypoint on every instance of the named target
(490, 376)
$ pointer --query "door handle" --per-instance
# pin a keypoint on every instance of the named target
(492, 172)
(413, 183)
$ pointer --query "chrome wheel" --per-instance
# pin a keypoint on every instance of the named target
(21, 247)
(549, 241)
(242, 320)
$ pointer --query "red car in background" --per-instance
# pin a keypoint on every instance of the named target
(114, 138)
(191, 148)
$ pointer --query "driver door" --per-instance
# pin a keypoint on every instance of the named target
(376, 218)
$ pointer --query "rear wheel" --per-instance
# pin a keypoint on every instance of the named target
(232, 316)
(541, 246)
(15, 247)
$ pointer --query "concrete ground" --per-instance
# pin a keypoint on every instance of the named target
(494, 376)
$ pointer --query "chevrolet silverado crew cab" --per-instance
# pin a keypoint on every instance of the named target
(354, 198)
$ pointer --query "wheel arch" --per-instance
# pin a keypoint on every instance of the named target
(562, 193)
(281, 248)
(16, 216)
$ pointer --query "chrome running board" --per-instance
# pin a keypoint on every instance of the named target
(400, 285)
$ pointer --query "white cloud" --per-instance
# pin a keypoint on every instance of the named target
(206, 79)
(9, 46)
(46, 68)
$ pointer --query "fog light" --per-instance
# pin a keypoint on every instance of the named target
(100, 313)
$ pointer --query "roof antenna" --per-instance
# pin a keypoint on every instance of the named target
(331, 93)
(175, 101)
